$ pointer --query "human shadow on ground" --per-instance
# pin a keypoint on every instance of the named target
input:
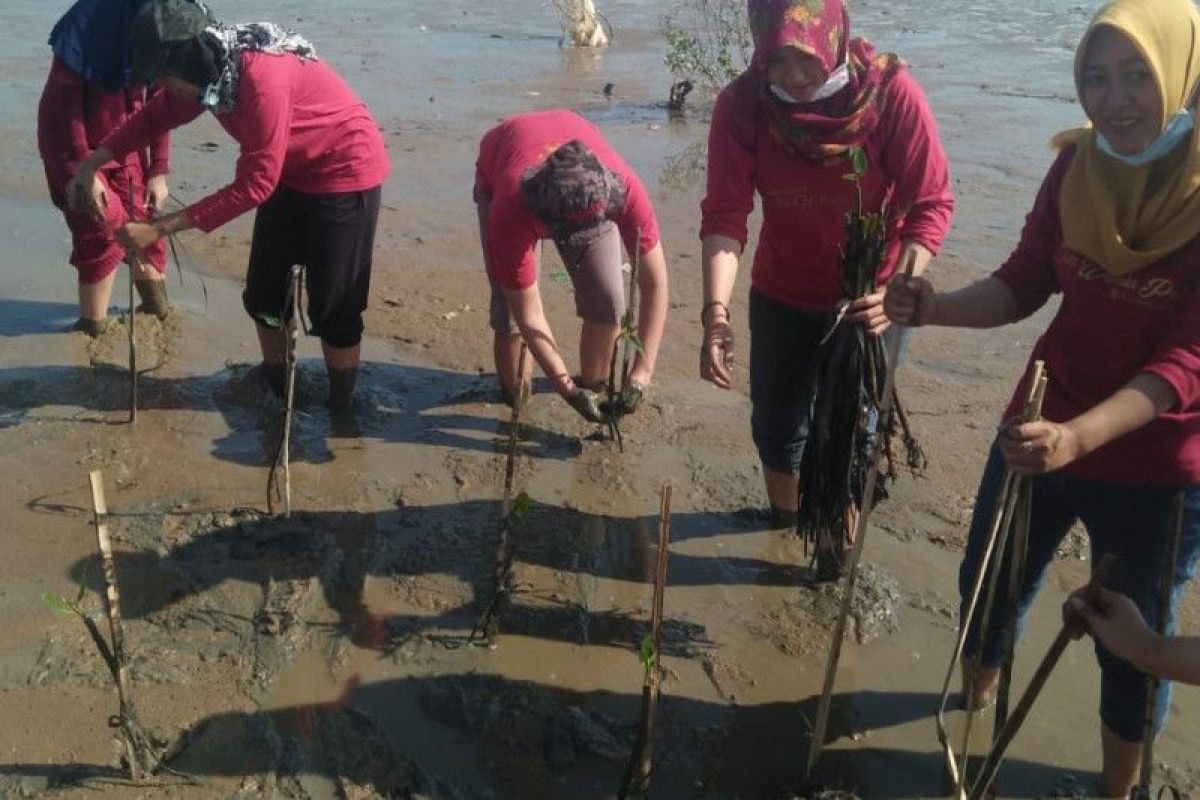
(31, 317)
(178, 557)
(394, 403)
(462, 735)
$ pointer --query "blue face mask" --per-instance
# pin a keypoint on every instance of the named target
(1177, 129)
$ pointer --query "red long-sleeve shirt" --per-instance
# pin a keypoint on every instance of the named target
(804, 204)
(522, 141)
(298, 124)
(75, 116)
(1107, 331)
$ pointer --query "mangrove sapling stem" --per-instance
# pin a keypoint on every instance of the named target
(506, 544)
(641, 759)
(629, 329)
(1069, 631)
(141, 752)
(860, 534)
(1166, 583)
(614, 425)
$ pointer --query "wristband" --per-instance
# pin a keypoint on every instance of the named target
(714, 303)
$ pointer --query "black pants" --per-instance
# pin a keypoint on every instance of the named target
(332, 236)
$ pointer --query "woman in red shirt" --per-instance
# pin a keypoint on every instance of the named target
(786, 128)
(1115, 229)
(86, 97)
(551, 174)
(312, 161)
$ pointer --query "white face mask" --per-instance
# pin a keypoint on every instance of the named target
(838, 80)
(1179, 127)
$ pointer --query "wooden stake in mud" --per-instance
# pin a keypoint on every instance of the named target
(1066, 634)
(506, 546)
(860, 534)
(641, 759)
(133, 365)
(1003, 514)
(1153, 682)
(142, 753)
(283, 451)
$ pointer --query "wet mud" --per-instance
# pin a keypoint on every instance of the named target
(330, 654)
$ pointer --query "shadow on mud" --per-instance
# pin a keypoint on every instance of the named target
(463, 735)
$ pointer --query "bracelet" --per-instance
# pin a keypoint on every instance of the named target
(707, 306)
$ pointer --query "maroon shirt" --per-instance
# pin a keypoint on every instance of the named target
(1108, 330)
(298, 123)
(804, 204)
(506, 153)
(74, 116)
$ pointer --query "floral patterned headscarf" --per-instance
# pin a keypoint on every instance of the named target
(824, 130)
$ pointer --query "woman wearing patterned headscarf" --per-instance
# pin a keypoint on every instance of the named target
(86, 97)
(1116, 230)
(551, 174)
(788, 127)
(312, 161)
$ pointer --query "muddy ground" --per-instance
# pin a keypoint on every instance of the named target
(328, 655)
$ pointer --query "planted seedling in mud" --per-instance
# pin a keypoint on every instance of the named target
(143, 754)
(639, 767)
(511, 524)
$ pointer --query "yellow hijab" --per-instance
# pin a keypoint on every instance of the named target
(1126, 218)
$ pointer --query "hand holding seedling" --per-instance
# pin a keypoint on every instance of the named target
(910, 301)
(587, 403)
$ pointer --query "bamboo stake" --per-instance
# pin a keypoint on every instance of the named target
(139, 747)
(860, 534)
(133, 365)
(988, 571)
(1066, 634)
(506, 547)
(283, 448)
(641, 761)
(631, 311)
(1153, 682)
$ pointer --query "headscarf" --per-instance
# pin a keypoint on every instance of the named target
(173, 37)
(572, 192)
(823, 130)
(1125, 218)
(92, 38)
(222, 47)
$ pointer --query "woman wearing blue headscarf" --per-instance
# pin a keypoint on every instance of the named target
(86, 97)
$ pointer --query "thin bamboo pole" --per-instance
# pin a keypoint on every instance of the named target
(1066, 634)
(839, 628)
(641, 761)
(1166, 586)
(290, 401)
(133, 360)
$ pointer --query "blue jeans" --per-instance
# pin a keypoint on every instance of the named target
(1133, 522)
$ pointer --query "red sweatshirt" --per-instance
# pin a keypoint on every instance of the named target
(804, 205)
(1107, 331)
(298, 125)
(74, 116)
(506, 153)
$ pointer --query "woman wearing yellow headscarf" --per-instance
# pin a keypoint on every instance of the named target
(1115, 229)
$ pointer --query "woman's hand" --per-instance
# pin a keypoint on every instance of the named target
(137, 236)
(87, 193)
(868, 310)
(716, 351)
(157, 194)
(1032, 448)
(910, 302)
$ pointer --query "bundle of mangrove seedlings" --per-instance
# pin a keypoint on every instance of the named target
(847, 398)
